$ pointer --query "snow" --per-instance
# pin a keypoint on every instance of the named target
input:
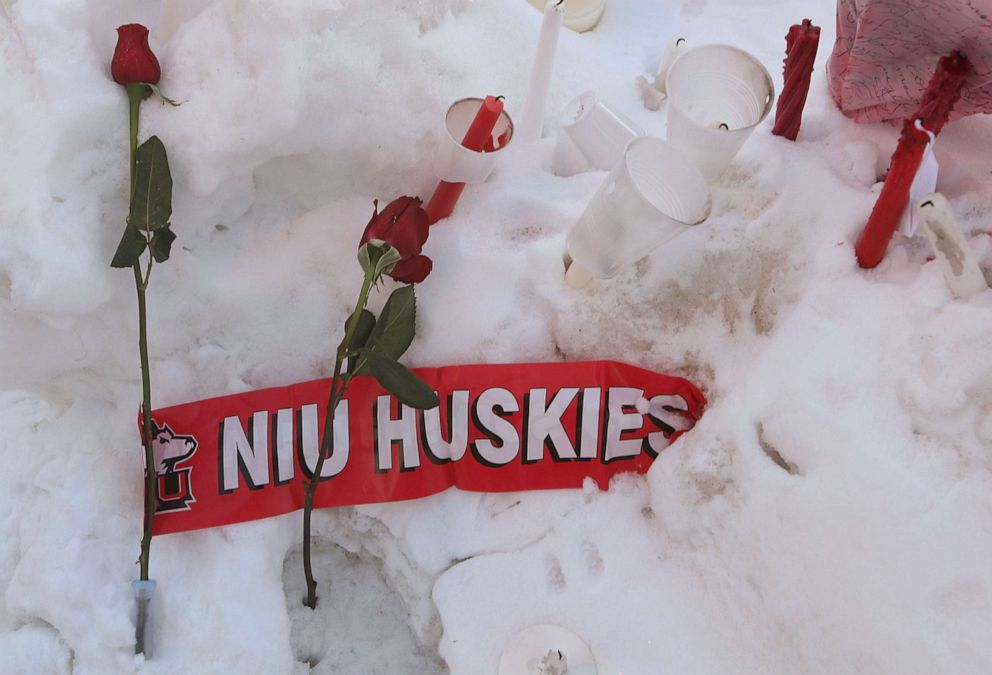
(828, 514)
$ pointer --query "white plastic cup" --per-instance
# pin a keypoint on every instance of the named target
(455, 163)
(597, 130)
(143, 616)
(717, 95)
(653, 194)
(580, 15)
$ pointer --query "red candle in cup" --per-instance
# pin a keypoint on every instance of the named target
(939, 98)
(478, 138)
(800, 51)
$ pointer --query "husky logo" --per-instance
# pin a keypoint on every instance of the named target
(175, 491)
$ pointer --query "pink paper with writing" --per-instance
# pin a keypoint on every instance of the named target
(886, 52)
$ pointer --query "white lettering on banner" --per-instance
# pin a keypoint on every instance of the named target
(437, 449)
(588, 422)
(310, 441)
(599, 431)
(402, 431)
(237, 454)
(617, 422)
(503, 443)
(282, 463)
(665, 411)
(544, 422)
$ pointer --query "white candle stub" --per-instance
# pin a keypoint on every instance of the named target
(553, 663)
(924, 183)
(961, 271)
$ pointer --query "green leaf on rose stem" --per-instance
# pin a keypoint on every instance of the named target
(130, 248)
(366, 322)
(401, 382)
(151, 199)
(162, 243)
(393, 332)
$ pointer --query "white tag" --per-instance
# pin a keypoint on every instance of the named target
(924, 183)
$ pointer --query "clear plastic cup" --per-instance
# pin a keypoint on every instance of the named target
(143, 616)
(653, 194)
(717, 95)
(597, 130)
(455, 163)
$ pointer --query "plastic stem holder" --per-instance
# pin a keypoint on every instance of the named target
(143, 616)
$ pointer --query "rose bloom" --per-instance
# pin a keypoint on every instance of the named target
(402, 225)
(133, 60)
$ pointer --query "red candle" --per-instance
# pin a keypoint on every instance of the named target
(939, 98)
(800, 52)
(479, 139)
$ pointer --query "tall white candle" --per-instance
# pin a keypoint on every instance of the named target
(528, 127)
(672, 52)
(961, 271)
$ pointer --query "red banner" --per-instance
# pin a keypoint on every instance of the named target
(499, 428)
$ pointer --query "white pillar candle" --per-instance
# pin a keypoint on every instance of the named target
(672, 52)
(531, 120)
(956, 260)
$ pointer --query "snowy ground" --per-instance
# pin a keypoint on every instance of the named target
(866, 548)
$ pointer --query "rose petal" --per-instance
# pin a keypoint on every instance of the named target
(413, 270)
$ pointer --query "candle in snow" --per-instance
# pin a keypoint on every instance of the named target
(800, 52)
(672, 52)
(961, 271)
(531, 120)
(939, 98)
(478, 138)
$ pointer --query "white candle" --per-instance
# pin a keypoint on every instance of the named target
(531, 120)
(672, 52)
(956, 260)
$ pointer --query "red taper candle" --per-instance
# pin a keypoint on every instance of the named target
(800, 51)
(939, 98)
(479, 139)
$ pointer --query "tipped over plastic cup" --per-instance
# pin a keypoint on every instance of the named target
(597, 130)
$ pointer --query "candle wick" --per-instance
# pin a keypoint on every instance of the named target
(558, 4)
(500, 98)
(679, 41)
(927, 203)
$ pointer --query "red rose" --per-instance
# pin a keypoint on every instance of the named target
(402, 225)
(134, 61)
